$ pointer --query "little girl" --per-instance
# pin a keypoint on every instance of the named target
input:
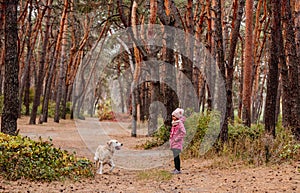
(176, 137)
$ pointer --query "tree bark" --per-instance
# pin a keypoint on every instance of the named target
(223, 136)
(187, 60)
(26, 71)
(236, 23)
(241, 80)
(137, 70)
(154, 71)
(41, 73)
(2, 45)
(272, 80)
(44, 115)
(62, 71)
(170, 101)
(11, 84)
(294, 64)
(246, 115)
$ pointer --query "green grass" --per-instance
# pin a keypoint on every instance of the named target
(156, 175)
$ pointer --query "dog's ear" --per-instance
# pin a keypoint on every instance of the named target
(109, 143)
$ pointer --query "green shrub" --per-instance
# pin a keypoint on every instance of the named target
(254, 146)
(160, 136)
(39, 160)
(197, 126)
(105, 111)
(250, 145)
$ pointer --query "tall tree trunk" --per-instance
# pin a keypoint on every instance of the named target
(284, 71)
(223, 136)
(41, 73)
(2, 46)
(170, 97)
(241, 80)
(27, 91)
(26, 71)
(272, 81)
(210, 48)
(198, 77)
(259, 46)
(246, 115)
(11, 84)
(236, 23)
(256, 82)
(187, 59)
(63, 27)
(52, 67)
(294, 64)
(154, 71)
(62, 71)
(297, 26)
(167, 17)
(137, 70)
(47, 89)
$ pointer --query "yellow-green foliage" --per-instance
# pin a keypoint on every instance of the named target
(160, 136)
(105, 111)
(255, 147)
(39, 160)
(249, 144)
(196, 127)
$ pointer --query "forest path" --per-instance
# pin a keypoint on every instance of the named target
(198, 175)
(84, 136)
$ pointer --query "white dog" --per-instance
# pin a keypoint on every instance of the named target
(104, 154)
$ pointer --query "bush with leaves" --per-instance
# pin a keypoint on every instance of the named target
(21, 157)
(160, 136)
(105, 111)
(196, 126)
(250, 145)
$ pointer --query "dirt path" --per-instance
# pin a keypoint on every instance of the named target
(198, 175)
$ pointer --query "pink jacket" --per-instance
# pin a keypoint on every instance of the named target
(177, 134)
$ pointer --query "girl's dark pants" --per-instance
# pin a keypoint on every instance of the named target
(176, 153)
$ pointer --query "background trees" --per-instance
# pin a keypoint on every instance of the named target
(55, 37)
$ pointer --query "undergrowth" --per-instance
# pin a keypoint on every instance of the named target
(105, 111)
(21, 157)
(160, 136)
(250, 145)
